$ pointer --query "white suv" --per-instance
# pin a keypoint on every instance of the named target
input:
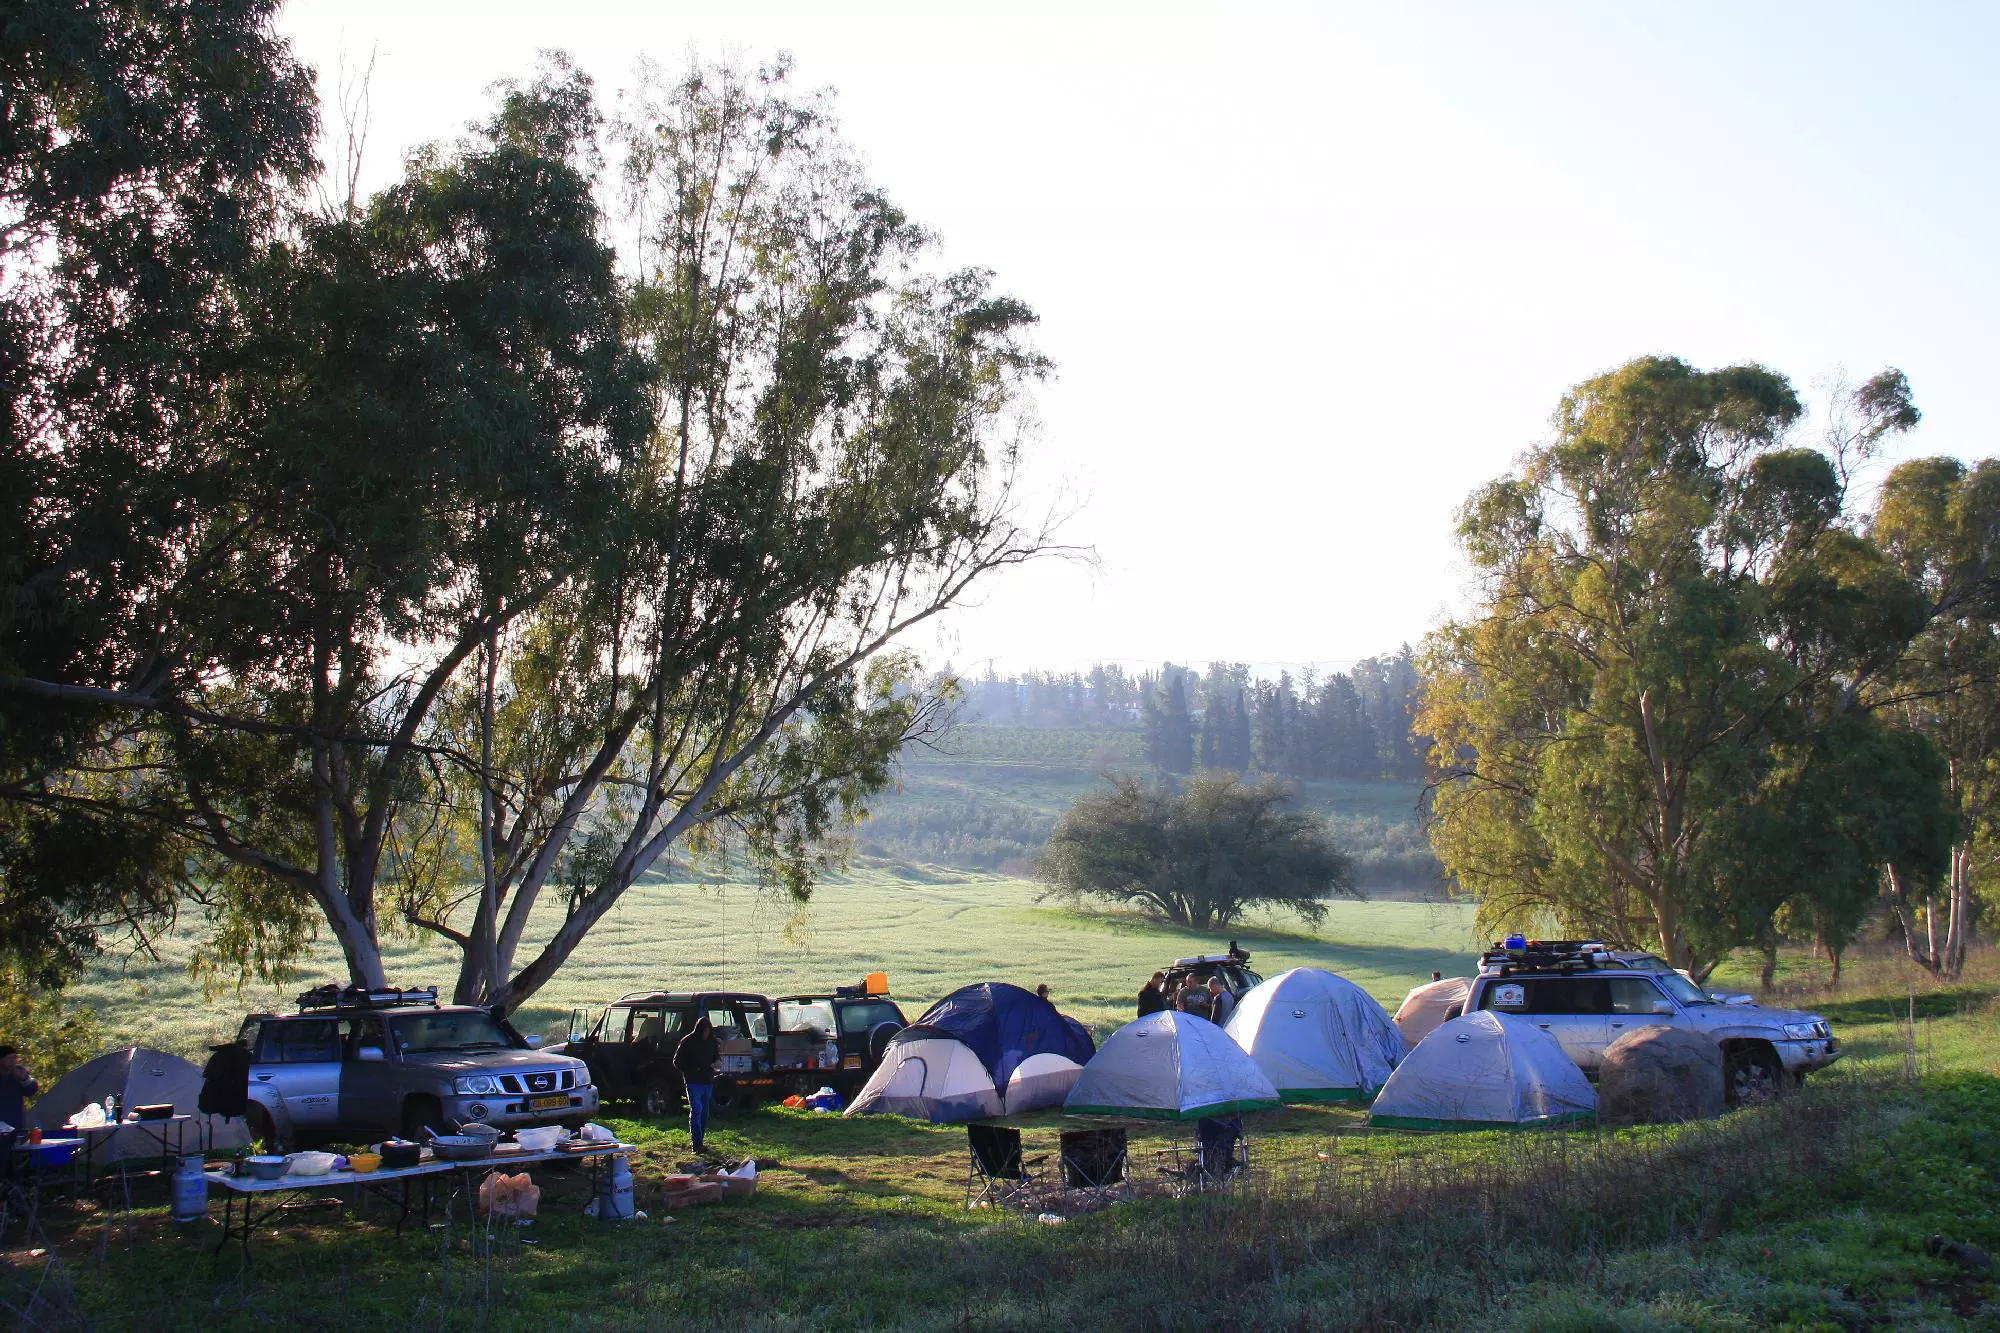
(1587, 996)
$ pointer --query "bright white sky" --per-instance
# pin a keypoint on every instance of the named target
(1313, 272)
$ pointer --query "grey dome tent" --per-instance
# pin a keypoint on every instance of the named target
(1170, 1066)
(1484, 1071)
(1318, 1037)
(984, 1050)
(137, 1076)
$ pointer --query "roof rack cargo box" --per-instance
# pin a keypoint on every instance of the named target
(333, 995)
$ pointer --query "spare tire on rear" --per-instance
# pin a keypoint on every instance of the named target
(1656, 1075)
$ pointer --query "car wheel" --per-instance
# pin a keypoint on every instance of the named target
(658, 1100)
(263, 1134)
(1753, 1075)
(422, 1115)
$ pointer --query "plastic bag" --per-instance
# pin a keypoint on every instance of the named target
(509, 1196)
(89, 1117)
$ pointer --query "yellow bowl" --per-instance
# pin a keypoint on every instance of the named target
(364, 1162)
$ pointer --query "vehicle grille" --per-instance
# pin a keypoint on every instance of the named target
(542, 1080)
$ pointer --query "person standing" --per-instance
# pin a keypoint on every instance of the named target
(1221, 1004)
(17, 1085)
(1153, 995)
(696, 1059)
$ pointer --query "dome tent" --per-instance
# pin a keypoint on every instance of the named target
(137, 1076)
(960, 1059)
(1428, 1005)
(1170, 1066)
(1318, 1037)
(1484, 1071)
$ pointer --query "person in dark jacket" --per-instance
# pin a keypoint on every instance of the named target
(696, 1059)
(17, 1085)
(1153, 995)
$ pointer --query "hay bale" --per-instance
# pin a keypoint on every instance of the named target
(1660, 1074)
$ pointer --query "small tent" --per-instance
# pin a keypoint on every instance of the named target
(1317, 1037)
(1484, 1071)
(1170, 1066)
(984, 1050)
(137, 1076)
(1428, 1005)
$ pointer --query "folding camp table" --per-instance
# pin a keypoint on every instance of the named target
(411, 1190)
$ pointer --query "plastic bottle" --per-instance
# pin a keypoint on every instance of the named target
(190, 1191)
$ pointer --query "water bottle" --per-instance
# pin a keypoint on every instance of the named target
(614, 1191)
(190, 1191)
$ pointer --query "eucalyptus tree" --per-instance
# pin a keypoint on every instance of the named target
(1940, 521)
(836, 429)
(146, 154)
(1198, 854)
(1677, 622)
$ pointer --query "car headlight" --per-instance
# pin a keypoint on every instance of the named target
(478, 1085)
(1801, 1031)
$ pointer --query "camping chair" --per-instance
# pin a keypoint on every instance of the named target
(1094, 1163)
(998, 1174)
(1219, 1156)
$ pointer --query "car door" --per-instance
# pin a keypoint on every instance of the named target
(1635, 1003)
(1573, 1010)
(371, 1101)
(300, 1062)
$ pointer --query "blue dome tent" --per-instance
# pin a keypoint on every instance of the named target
(959, 1061)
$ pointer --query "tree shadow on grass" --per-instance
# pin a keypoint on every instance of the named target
(1891, 1008)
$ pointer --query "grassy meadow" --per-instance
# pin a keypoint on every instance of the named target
(932, 929)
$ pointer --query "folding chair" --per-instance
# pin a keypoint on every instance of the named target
(998, 1174)
(1219, 1156)
(1094, 1162)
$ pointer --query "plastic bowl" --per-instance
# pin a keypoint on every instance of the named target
(265, 1167)
(361, 1163)
(312, 1163)
(541, 1138)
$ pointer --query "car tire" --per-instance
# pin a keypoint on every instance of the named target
(263, 1134)
(1752, 1075)
(658, 1100)
(421, 1115)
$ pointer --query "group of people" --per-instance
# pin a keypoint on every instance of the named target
(1212, 1001)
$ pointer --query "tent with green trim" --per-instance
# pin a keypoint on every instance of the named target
(1170, 1066)
(1484, 1071)
(1318, 1037)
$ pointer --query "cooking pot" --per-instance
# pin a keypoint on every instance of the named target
(400, 1153)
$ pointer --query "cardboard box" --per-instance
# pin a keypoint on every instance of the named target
(700, 1192)
(733, 1187)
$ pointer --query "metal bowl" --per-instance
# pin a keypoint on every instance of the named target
(462, 1147)
(268, 1167)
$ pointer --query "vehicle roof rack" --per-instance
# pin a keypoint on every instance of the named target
(333, 995)
(1513, 955)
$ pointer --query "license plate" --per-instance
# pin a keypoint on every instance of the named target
(851, 1062)
(547, 1103)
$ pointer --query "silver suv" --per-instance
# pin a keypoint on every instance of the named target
(356, 1066)
(1587, 996)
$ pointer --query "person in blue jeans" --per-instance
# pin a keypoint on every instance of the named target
(696, 1059)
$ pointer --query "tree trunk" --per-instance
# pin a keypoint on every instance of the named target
(1769, 976)
(1899, 905)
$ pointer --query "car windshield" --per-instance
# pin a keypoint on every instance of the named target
(1681, 988)
(471, 1030)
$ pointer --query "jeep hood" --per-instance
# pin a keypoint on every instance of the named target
(1746, 1019)
(494, 1062)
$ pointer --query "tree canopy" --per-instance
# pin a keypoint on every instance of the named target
(1198, 854)
(509, 572)
(1656, 727)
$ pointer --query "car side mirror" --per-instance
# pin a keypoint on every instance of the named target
(1663, 1006)
(372, 1055)
(533, 1039)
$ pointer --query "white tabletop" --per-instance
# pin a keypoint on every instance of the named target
(435, 1166)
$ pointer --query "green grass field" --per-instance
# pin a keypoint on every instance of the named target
(932, 929)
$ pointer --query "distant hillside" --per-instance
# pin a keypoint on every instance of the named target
(989, 798)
